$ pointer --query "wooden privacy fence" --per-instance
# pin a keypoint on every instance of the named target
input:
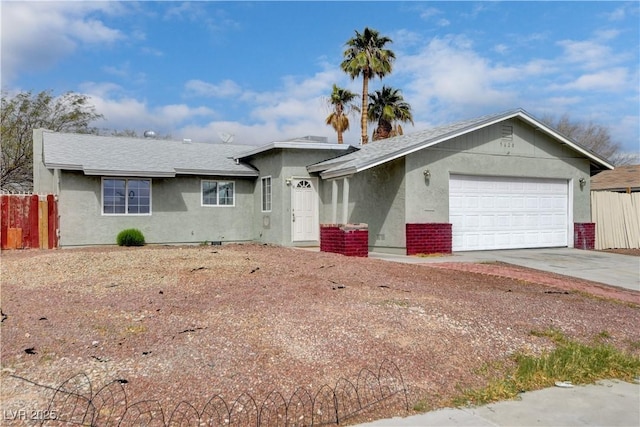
(29, 221)
(617, 218)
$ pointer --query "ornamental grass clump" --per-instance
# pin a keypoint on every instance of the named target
(130, 237)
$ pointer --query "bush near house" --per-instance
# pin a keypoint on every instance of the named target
(130, 237)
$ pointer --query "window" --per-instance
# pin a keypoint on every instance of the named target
(218, 193)
(126, 196)
(266, 194)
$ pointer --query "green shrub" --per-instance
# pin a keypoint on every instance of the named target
(130, 237)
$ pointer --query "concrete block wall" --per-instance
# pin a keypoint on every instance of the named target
(428, 238)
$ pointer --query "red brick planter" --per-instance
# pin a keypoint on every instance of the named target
(347, 239)
(428, 238)
(584, 235)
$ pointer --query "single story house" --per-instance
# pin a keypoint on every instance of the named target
(499, 181)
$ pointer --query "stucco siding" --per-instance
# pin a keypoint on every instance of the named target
(377, 198)
(280, 164)
(177, 213)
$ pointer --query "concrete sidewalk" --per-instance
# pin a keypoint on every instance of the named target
(604, 267)
(607, 403)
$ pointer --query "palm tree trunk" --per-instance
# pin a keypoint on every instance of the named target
(365, 107)
(340, 114)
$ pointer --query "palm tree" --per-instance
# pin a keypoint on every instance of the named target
(365, 55)
(387, 107)
(341, 101)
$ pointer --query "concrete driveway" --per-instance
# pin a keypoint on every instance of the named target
(604, 267)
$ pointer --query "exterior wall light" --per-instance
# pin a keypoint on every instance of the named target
(582, 182)
(288, 181)
(426, 173)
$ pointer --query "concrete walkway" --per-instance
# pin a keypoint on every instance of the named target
(607, 403)
(603, 267)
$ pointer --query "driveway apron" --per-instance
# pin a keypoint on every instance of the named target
(604, 267)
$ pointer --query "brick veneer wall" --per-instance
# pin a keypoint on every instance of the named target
(349, 239)
(584, 235)
(428, 238)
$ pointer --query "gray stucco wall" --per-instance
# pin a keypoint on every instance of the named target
(377, 197)
(177, 215)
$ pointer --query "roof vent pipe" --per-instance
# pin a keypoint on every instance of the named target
(149, 134)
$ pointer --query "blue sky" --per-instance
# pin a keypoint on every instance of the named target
(262, 71)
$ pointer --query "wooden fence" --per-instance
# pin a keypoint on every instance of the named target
(28, 221)
(617, 218)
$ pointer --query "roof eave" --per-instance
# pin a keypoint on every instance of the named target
(293, 145)
(340, 173)
(130, 173)
(63, 166)
(320, 168)
(248, 173)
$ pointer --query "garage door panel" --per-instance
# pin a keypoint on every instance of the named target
(507, 213)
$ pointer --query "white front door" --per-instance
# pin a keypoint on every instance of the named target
(304, 210)
(489, 212)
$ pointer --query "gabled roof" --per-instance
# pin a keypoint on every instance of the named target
(382, 151)
(118, 156)
(304, 143)
(622, 178)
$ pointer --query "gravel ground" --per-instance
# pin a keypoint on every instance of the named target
(187, 323)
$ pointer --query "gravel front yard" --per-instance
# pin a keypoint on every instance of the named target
(187, 323)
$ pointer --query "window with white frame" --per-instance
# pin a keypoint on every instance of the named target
(218, 193)
(123, 196)
(266, 194)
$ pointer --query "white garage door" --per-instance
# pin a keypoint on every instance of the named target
(489, 212)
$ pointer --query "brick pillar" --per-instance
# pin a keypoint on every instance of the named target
(347, 239)
(584, 235)
(428, 238)
(330, 240)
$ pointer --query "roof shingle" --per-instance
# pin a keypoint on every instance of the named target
(622, 178)
(107, 155)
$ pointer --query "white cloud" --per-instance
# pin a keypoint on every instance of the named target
(128, 113)
(224, 89)
(588, 54)
(501, 48)
(297, 108)
(609, 80)
(449, 72)
(36, 35)
(101, 89)
(618, 14)
(429, 12)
